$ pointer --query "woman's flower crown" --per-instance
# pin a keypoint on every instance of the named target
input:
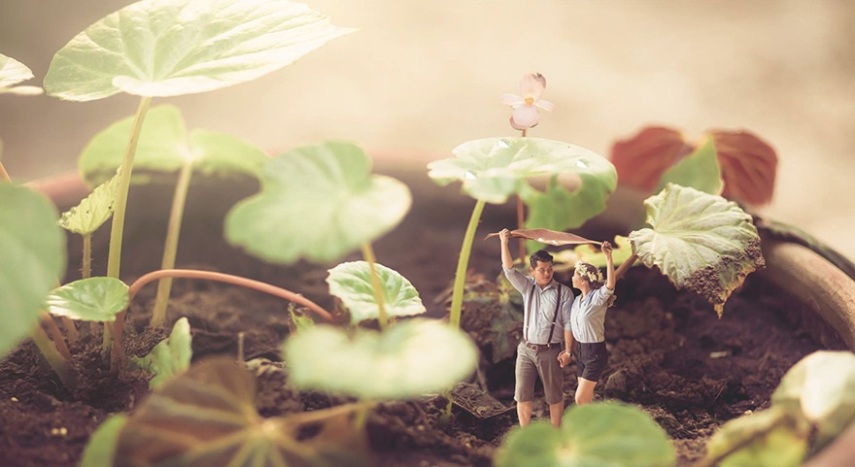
(589, 272)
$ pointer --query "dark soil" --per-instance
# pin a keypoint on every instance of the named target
(669, 353)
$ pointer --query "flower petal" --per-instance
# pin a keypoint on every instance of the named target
(545, 105)
(512, 100)
(525, 117)
(532, 85)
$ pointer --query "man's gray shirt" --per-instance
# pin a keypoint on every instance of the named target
(536, 328)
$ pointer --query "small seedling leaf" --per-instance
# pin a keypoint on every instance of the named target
(748, 166)
(174, 47)
(607, 433)
(351, 282)
(821, 388)
(493, 169)
(207, 416)
(170, 357)
(319, 203)
(13, 72)
(767, 437)
(101, 448)
(642, 159)
(409, 359)
(699, 170)
(93, 299)
(701, 242)
(165, 146)
(93, 211)
(557, 208)
(32, 248)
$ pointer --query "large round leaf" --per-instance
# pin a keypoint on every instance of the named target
(821, 387)
(32, 248)
(492, 169)
(701, 242)
(92, 299)
(607, 434)
(351, 282)
(409, 359)
(173, 47)
(319, 203)
(165, 146)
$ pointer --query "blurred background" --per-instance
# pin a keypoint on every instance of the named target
(419, 77)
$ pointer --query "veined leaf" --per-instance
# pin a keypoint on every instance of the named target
(701, 242)
(588, 253)
(93, 211)
(207, 416)
(92, 299)
(699, 170)
(165, 146)
(32, 248)
(407, 360)
(174, 47)
(821, 388)
(170, 357)
(101, 448)
(493, 169)
(318, 203)
(748, 166)
(606, 433)
(773, 439)
(351, 282)
(642, 159)
(13, 72)
(560, 209)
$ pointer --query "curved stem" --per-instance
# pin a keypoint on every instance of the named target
(621, 270)
(4, 176)
(121, 203)
(229, 279)
(368, 254)
(462, 265)
(170, 247)
(57, 362)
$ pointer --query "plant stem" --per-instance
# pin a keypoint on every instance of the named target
(368, 254)
(521, 225)
(462, 265)
(229, 279)
(117, 355)
(86, 262)
(621, 270)
(4, 176)
(58, 338)
(170, 247)
(114, 260)
(56, 361)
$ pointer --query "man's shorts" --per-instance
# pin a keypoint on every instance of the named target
(532, 364)
(591, 360)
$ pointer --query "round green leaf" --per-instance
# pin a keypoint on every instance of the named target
(601, 434)
(165, 146)
(701, 242)
(318, 203)
(32, 248)
(821, 387)
(493, 169)
(13, 72)
(174, 47)
(409, 359)
(93, 211)
(92, 299)
(351, 282)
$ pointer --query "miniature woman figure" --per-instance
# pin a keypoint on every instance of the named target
(587, 319)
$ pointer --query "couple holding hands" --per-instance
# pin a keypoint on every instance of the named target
(559, 327)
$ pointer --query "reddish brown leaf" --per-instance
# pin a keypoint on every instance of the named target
(550, 237)
(642, 159)
(748, 166)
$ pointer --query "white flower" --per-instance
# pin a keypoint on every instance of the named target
(526, 114)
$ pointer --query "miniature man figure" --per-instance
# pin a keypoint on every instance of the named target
(546, 332)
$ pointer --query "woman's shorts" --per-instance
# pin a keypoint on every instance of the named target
(592, 359)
